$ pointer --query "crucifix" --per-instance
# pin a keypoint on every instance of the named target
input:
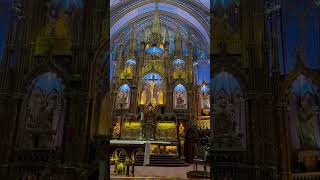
(153, 82)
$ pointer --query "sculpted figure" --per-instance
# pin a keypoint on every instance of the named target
(224, 122)
(306, 126)
(206, 101)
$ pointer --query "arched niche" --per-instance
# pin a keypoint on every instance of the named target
(105, 116)
(205, 97)
(304, 124)
(129, 69)
(67, 5)
(151, 89)
(123, 97)
(304, 114)
(43, 113)
(228, 105)
(179, 71)
(180, 97)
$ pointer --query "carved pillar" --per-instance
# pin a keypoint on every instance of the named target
(169, 98)
(284, 157)
(133, 100)
(101, 145)
(14, 125)
(3, 127)
(77, 126)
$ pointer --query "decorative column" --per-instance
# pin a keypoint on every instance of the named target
(284, 157)
(3, 126)
(102, 144)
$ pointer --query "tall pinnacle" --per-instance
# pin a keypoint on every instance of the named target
(156, 21)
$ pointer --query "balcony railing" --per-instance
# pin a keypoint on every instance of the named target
(306, 176)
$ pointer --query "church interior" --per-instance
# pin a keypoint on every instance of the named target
(159, 89)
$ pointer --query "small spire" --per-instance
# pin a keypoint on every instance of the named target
(177, 33)
(143, 36)
(156, 25)
(189, 36)
(121, 38)
(167, 35)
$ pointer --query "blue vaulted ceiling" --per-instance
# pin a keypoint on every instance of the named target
(189, 16)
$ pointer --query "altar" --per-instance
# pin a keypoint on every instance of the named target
(142, 150)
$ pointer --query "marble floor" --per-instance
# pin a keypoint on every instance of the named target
(159, 173)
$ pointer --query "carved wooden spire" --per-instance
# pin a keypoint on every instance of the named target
(156, 26)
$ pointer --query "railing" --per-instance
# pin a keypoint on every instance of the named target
(242, 172)
(37, 155)
(306, 176)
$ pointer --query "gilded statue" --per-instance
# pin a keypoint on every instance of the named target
(116, 130)
(181, 131)
(119, 168)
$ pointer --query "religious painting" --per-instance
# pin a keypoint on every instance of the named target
(123, 97)
(180, 97)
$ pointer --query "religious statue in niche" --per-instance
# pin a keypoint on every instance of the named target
(206, 100)
(180, 99)
(43, 119)
(307, 122)
(58, 20)
(42, 111)
(123, 99)
(224, 115)
(34, 108)
(181, 131)
(152, 91)
(116, 129)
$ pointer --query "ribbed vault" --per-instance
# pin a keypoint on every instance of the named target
(125, 13)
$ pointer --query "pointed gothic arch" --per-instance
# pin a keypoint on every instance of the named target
(180, 97)
(43, 110)
(123, 97)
